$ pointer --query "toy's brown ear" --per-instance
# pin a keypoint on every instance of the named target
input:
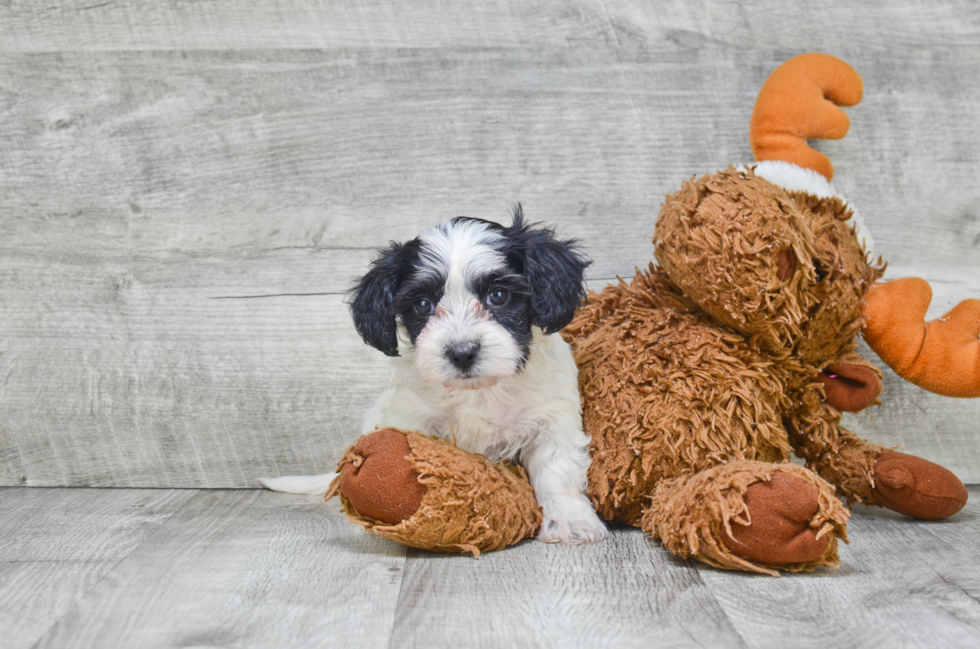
(798, 102)
(942, 356)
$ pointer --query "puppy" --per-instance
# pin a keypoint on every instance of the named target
(470, 312)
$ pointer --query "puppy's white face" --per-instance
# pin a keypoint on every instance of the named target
(459, 301)
(469, 314)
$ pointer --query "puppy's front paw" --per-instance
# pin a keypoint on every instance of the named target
(573, 523)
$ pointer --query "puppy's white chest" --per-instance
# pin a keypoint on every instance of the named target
(499, 421)
(495, 430)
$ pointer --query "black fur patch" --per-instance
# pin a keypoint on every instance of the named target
(515, 314)
(553, 268)
(408, 296)
(372, 299)
(544, 282)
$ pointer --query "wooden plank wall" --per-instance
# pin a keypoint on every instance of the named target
(187, 189)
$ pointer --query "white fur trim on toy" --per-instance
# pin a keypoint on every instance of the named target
(797, 179)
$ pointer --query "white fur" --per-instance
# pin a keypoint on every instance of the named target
(300, 484)
(797, 179)
(504, 408)
(458, 253)
(463, 249)
(533, 417)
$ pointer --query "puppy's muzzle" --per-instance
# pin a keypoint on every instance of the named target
(463, 355)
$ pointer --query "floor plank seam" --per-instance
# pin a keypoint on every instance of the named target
(731, 622)
(960, 589)
(398, 598)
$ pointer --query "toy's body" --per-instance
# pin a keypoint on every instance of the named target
(728, 357)
(701, 376)
(667, 393)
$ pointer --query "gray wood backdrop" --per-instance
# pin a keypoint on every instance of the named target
(187, 189)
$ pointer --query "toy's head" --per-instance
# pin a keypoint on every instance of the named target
(783, 262)
(786, 269)
(845, 272)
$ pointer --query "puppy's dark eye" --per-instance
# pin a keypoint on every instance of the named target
(424, 306)
(497, 297)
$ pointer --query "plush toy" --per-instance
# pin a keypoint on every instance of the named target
(701, 376)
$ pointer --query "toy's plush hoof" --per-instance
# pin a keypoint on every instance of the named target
(383, 484)
(780, 511)
(917, 487)
(426, 493)
(748, 515)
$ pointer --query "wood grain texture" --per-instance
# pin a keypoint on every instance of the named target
(623, 592)
(299, 24)
(137, 186)
(256, 569)
(155, 390)
(58, 544)
(244, 569)
(237, 151)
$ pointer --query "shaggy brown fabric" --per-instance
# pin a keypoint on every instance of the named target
(723, 354)
(844, 274)
(835, 453)
(664, 392)
(470, 504)
(917, 487)
(694, 514)
(850, 466)
(720, 240)
(719, 353)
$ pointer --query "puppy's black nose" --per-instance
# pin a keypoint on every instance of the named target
(463, 355)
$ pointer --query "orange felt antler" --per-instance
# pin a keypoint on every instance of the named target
(798, 102)
(942, 356)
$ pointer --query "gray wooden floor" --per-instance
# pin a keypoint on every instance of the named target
(240, 568)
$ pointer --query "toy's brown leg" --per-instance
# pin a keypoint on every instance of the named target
(426, 493)
(752, 516)
(874, 475)
(917, 487)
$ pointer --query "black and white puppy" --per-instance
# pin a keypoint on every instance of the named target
(470, 311)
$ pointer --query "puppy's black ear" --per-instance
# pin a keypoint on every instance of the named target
(372, 299)
(555, 270)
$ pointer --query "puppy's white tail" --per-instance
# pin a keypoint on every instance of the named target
(300, 484)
